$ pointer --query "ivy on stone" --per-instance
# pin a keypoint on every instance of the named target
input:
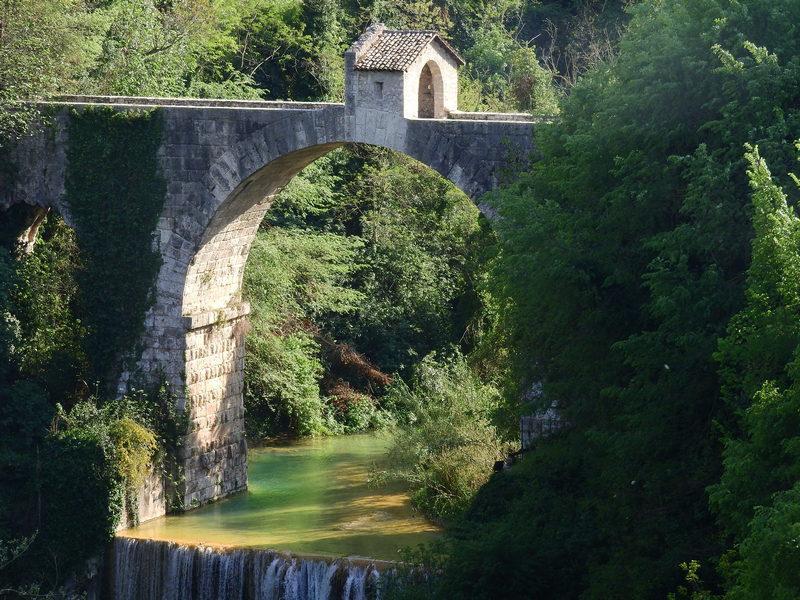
(115, 194)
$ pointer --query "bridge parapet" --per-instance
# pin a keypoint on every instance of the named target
(497, 116)
(196, 102)
(164, 102)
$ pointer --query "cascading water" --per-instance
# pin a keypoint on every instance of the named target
(156, 570)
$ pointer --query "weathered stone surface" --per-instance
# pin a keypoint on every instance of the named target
(224, 163)
(151, 500)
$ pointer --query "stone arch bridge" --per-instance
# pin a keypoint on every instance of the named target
(224, 162)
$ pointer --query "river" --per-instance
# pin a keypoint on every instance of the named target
(308, 497)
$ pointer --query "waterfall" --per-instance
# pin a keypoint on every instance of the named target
(156, 570)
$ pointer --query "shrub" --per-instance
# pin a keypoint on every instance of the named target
(134, 446)
(445, 448)
(282, 392)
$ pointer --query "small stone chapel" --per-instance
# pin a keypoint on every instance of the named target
(408, 73)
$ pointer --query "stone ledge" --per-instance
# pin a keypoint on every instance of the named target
(206, 319)
(457, 115)
(197, 102)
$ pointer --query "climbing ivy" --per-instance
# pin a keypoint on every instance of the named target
(115, 193)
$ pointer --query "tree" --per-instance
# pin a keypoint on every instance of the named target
(411, 14)
(292, 278)
(43, 50)
(325, 26)
(622, 259)
(757, 497)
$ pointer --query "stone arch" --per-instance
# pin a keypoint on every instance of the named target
(215, 315)
(430, 103)
(214, 274)
(223, 162)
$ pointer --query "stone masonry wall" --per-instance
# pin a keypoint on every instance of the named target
(386, 98)
(215, 451)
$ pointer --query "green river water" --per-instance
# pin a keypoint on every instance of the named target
(310, 496)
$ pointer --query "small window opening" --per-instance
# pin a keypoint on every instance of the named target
(379, 90)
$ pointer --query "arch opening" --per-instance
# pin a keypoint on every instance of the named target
(215, 312)
(430, 96)
(214, 277)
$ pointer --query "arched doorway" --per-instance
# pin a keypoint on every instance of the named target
(430, 100)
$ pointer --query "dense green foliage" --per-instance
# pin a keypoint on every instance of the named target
(38, 38)
(115, 194)
(66, 473)
(69, 461)
(757, 497)
(88, 464)
(47, 340)
(644, 272)
(623, 254)
(367, 263)
(293, 276)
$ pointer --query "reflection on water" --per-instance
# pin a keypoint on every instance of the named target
(310, 496)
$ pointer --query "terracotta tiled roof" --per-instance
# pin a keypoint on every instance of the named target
(395, 50)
